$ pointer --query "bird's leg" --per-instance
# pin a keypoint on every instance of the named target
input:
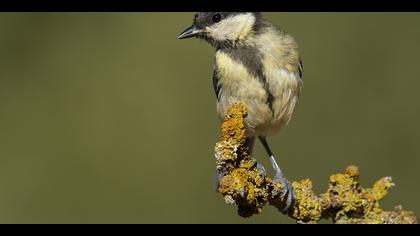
(279, 176)
(250, 143)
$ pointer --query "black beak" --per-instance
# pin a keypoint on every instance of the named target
(189, 32)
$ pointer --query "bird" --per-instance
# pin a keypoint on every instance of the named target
(258, 64)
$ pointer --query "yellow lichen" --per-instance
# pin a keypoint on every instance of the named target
(345, 201)
(381, 187)
(308, 207)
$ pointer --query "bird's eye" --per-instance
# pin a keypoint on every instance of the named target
(216, 18)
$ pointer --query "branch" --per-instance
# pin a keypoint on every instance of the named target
(345, 201)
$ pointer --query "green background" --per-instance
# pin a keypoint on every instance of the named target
(109, 118)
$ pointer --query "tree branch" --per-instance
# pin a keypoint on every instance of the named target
(345, 201)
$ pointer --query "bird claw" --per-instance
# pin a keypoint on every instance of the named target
(288, 192)
(261, 170)
(217, 178)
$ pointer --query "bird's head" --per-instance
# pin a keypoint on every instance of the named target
(223, 29)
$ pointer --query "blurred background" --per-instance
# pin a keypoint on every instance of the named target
(108, 118)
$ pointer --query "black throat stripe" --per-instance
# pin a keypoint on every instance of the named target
(251, 58)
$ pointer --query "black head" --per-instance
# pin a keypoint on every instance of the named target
(222, 28)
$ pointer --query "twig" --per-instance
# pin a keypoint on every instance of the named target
(345, 201)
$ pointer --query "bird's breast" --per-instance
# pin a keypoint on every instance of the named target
(238, 84)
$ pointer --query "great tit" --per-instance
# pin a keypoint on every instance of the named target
(258, 64)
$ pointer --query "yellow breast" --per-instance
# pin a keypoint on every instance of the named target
(281, 78)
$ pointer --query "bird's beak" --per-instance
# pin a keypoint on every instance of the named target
(190, 32)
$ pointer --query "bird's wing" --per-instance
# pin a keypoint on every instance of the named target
(300, 68)
(216, 85)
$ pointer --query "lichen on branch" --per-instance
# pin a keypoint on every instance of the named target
(345, 201)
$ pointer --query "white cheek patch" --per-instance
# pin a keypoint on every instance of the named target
(232, 28)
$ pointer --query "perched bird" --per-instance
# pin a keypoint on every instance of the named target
(255, 63)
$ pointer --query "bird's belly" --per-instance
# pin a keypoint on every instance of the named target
(238, 85)
(259, 113)
(262, 119)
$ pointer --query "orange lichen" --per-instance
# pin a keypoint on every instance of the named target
(345, 201)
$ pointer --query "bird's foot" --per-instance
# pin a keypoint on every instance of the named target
(217, 178)
(288, 190)
(260, 168)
